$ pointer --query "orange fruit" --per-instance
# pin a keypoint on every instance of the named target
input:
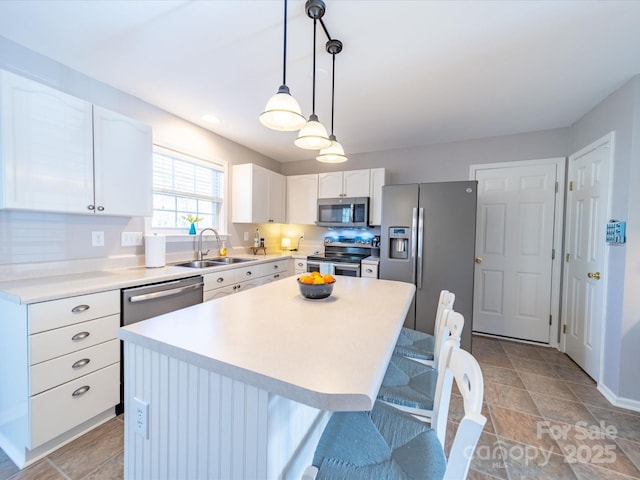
(318, 280)
(315, 274)
(308, 279)
(328, 278)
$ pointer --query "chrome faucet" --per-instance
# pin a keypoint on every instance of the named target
(201, 254)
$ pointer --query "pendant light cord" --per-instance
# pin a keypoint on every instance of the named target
(284, 59)
(333, 86)
(313, 99)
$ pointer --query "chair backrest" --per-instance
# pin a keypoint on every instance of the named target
(451, 326)
(463, 367)
(446, 300)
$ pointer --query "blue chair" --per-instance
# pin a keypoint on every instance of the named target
(388, 444)
(420, 346)
(411, 386)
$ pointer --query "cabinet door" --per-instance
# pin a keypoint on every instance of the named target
(302, 199)
(356, 183)
(378, 179)
(250, 194)
(330, 185)
(123, 165)
(277, 196)
(46, 147)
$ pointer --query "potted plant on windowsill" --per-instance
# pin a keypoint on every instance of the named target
(192, 219)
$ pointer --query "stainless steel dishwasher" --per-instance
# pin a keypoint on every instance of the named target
(146, 301)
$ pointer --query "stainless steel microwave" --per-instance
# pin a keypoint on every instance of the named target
(343, 212)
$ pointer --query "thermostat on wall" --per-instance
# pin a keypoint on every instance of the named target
(616, 232)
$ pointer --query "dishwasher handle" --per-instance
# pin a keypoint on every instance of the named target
(164, 293)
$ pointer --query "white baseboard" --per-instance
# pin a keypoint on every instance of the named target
(617, 401)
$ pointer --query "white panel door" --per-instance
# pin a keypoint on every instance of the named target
(584, 286)
(514, 248)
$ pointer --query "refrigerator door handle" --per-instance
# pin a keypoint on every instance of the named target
(420, 242)
(414, 235)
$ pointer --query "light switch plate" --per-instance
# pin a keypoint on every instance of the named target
(97, 239)
(131, 239)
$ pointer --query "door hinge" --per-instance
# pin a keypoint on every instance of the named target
(571, 186)
(564, 328)
(568, 256)
(553, 254)
(550, 317)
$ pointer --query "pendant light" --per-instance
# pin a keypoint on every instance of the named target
(313, 136)
(334, 153)
(282, 112)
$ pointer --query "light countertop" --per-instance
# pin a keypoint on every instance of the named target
(42, 289)
(330, 354)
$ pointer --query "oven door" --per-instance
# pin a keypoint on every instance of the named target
(345, 269)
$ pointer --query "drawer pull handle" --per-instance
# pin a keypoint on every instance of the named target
(81, 363)
(80, 309)
(80, 336)
(249, 273)
(220, 280)
(81, 391)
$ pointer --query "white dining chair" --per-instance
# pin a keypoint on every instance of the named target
(420, 346)
(411, 386)
(385, 443)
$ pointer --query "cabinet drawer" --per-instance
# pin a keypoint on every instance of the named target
(299, 266)
(57, 410)
(370, 271)
(218, 280)
(46, 375)
(66, 311)
(54, 343)
(281, 266)
(244, 274)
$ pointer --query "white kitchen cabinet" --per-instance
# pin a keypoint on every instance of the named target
(62, 154)
(234, 280)
(273, 271)
(299, 266)
(352, 183)
(369, 270)
(302, 199)
(378, 179)
(258, 195)
(62, 360)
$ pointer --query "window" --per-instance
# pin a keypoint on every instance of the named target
(185, 185)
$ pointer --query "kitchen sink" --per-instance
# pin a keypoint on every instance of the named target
(214, 262)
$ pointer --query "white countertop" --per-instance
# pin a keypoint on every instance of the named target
(330, 354)
(42, 289)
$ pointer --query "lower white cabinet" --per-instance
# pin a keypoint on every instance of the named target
(61, 359)
(227, 282)
(369, 271)
(299, 266)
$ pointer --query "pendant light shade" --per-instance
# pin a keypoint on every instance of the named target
(283, 112)
(333, 154)
(313, 136)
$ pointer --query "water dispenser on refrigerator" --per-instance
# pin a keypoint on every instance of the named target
(399, 242)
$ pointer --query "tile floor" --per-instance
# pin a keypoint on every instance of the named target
(545, 420)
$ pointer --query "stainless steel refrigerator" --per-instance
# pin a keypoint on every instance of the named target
(427, 238)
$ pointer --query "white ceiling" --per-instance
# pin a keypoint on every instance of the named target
(411, 72)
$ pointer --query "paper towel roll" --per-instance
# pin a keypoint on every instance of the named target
(154, 250)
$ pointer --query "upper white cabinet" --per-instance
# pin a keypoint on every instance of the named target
(377, 181)
(62, 154)
(258, 195)
(123, 164)
(352, 183)
(302, 199)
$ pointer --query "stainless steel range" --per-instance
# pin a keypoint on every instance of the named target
(342, 256)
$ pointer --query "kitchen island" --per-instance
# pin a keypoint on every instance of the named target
(242, 387)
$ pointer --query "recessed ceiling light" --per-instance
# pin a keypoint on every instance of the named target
(210, 118)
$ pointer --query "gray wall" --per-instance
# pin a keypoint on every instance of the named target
(620, 112)
(447, 161)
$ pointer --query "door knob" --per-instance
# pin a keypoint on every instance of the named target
(478, 259)
(594, 275)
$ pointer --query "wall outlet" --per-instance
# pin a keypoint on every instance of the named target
(246, 236)
(141, 418)
(131, 239)
(97, 239)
